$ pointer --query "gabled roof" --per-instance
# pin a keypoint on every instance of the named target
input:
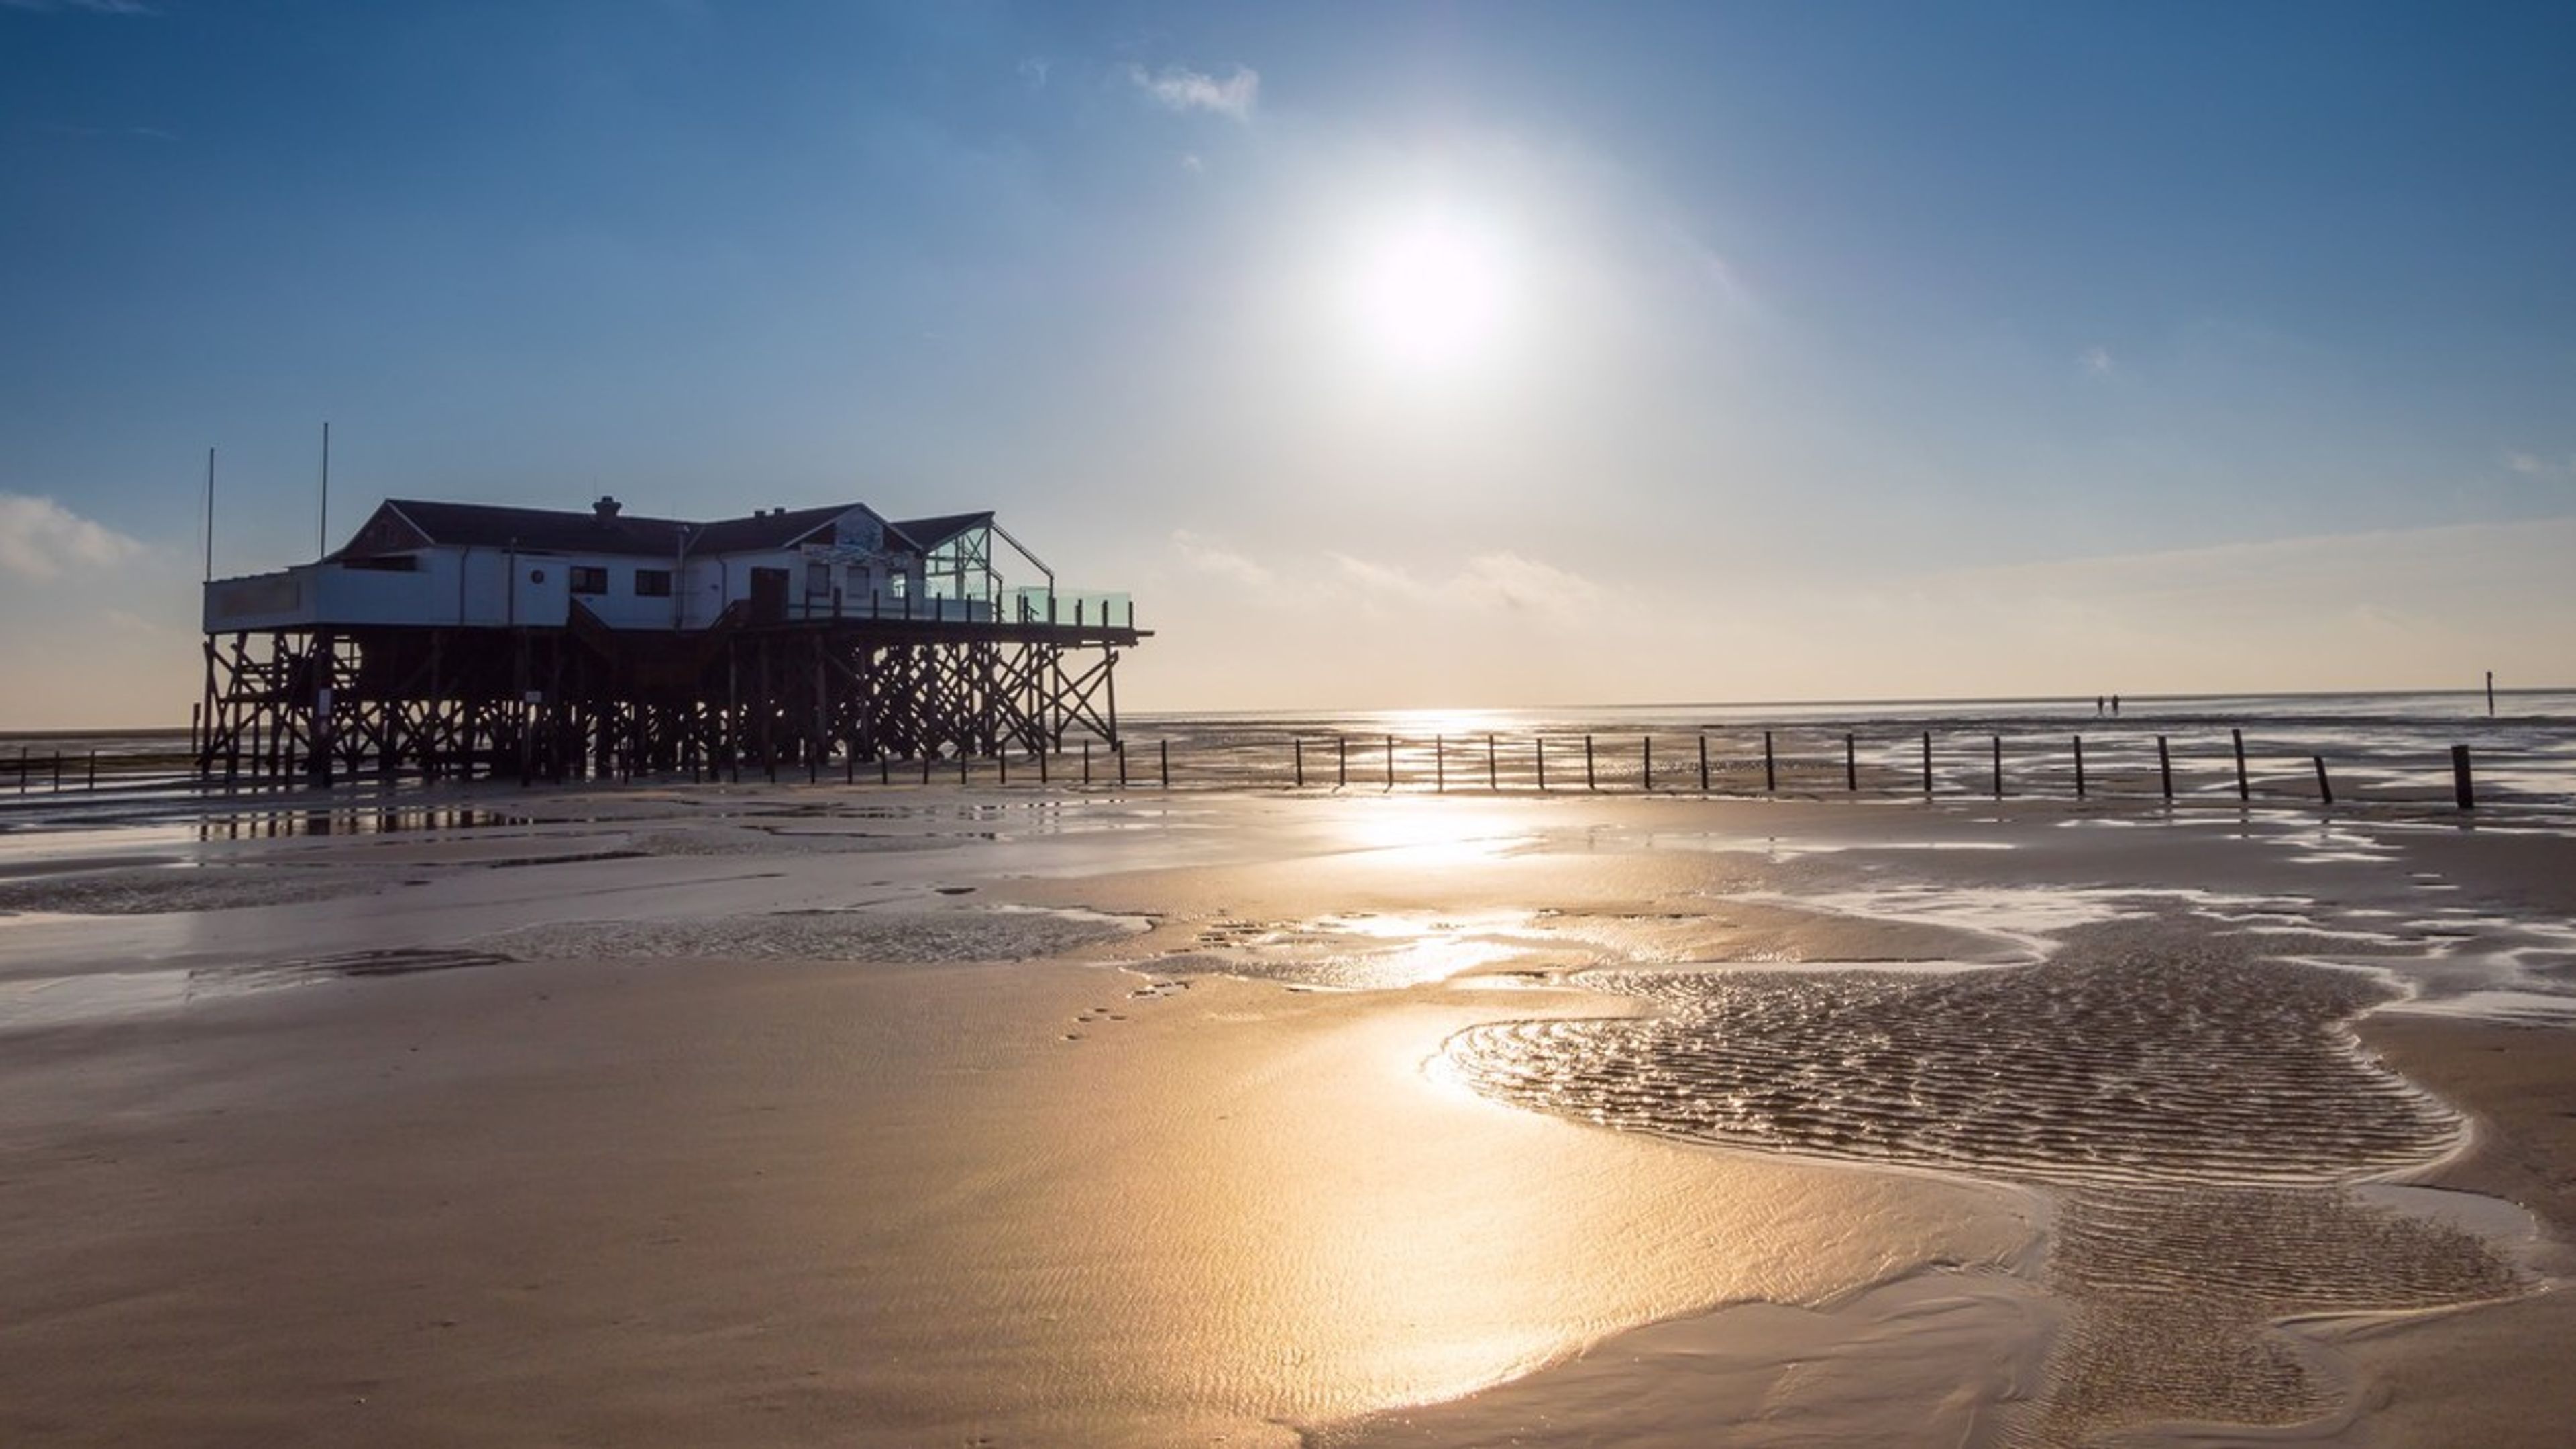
(539, 530)
(763, 531)
(929, 533)
(559, 530)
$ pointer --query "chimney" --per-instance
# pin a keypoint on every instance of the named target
(606, 508)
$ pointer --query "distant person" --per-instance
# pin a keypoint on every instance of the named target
(2115, 706)
(2097, 704)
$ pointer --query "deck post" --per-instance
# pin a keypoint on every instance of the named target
(2463, 789)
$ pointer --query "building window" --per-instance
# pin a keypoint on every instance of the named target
(653, 583)
(818, 579)
(587, 579)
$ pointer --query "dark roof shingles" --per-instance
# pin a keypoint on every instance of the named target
(554, 530)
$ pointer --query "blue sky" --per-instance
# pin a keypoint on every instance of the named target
(1802, 350)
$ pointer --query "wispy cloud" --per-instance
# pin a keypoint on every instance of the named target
(2532, 465)
(1179, 88)
(2097, 361)
(1489, 581)
(38, 537)
(1206, 556)
(1034, 69)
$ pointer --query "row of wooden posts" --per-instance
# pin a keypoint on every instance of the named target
(86, 771)
(2463, 783)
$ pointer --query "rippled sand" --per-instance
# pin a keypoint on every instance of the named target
(2196, 1107)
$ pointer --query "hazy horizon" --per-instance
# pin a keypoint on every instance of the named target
(1392, 357)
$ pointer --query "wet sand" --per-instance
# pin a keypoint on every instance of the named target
(956, 1117)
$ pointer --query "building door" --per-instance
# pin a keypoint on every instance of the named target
(768, 595)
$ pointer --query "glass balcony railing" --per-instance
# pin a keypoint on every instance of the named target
(1075, 607)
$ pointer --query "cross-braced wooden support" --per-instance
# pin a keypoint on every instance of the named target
(588, 700)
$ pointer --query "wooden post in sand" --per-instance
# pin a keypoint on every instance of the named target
(1002, 767)
(1589, 783)
(1121, 752)
(1297, 744)
(93, 769)
(1390, 762)
(1703, 764)
(1646, 775)
(2164, 765)
(1086, 756)
(2463, 789)
(1539, 746)
(1341, 760)
(2244, 790)
(1851, 762)
(2325, 787)
(1999, 766)
(1770, 768)
(1493, 771)
(2079, 767)
(2491, 694)
(1927, 762)
(1439, 764)
(1163, 756)
(1042, 763)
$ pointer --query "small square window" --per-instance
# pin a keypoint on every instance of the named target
(818, 579)
(589, 580)
(653, 583)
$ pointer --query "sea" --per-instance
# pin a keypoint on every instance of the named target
(2361, 748)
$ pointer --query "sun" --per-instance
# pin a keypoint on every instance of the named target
(1430, 292)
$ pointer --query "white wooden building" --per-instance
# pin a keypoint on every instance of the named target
(421, 563)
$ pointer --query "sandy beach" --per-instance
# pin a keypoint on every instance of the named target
(940, 1116)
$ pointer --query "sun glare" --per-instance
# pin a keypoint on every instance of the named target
(1430, 293)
